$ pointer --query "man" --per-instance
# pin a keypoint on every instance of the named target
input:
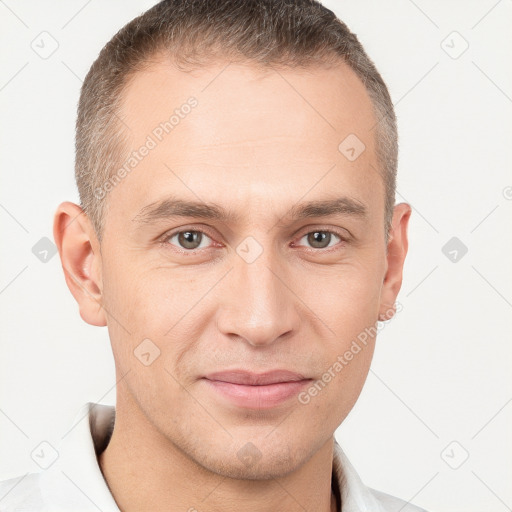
(238, 236)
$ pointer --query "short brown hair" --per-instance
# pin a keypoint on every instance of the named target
(289, 33)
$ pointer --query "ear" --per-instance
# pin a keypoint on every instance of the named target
(80, 256)
(396, 252)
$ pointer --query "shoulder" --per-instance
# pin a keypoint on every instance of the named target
(393, 504)
(21, 494)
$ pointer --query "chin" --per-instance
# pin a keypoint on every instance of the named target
(253, 461)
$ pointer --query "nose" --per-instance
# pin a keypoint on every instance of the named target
(258, 303)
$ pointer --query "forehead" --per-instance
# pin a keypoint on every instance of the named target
(261, 132)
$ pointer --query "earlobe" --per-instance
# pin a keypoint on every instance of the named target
(81, 260)
(396, 253)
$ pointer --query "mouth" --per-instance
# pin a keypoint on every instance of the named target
(256, 390)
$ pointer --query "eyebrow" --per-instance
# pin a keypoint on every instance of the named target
(174, 207)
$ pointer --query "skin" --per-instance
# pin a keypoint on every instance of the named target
(255, 146)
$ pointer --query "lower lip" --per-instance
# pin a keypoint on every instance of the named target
(257, 397)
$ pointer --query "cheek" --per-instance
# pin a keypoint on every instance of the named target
(153, 328)
(149, 296)
(346, 297)
(348, 304)
(332, 396)
(168, 306)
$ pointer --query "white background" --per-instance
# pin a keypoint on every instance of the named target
(442, 367)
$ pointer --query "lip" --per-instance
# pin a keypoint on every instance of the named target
(256, 390)
(255, 379)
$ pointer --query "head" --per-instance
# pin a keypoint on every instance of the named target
(236, 166)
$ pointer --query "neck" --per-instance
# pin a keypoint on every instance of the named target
(144, 469)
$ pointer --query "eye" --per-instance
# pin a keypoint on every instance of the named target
(189, 239)
(322, 239)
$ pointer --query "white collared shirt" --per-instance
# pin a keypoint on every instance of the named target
(73, 482)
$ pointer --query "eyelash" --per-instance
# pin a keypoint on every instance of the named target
(343, 238)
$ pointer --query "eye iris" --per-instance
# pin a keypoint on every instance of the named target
(190, 239)
(316, 239)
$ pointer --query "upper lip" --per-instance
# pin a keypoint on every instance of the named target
(255, 379)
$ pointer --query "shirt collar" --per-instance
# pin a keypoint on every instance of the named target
(75, 480)
(355, 496)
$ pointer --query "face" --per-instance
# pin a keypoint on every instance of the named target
(234, 318)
